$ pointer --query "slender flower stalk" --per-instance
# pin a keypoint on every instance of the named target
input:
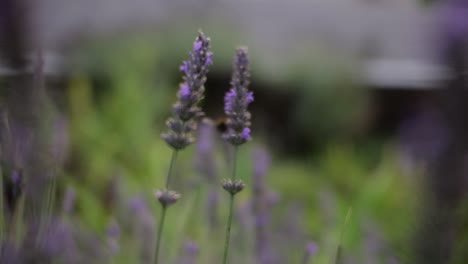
(238, 132)
(183, 123)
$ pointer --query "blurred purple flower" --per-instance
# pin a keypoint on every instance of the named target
(310, 250)
(261, 206)
(190, 252)
(113, 232)
(142, 223)
(68, 200)
(212, 208)
(191, 248)
(455, 19)
(204, 159)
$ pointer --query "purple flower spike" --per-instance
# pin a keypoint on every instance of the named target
(237, 99)
(186, 110)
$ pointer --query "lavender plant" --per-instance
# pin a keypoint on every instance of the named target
(238, 128)
(186, 114)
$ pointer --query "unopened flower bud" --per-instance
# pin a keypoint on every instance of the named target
(166, 197)
(233, 186)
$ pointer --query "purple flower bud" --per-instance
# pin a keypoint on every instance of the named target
(311, 248)
(190, 253)
(183, 67)
(197, 45)
(209, 61)
(166, 197)
(233, 186)
(191, 247)
(184, 90)
(245, 133)
(229, 99)
(249, 97)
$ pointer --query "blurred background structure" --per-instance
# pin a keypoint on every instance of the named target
(358, 103)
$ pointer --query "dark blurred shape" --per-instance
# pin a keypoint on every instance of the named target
(14, 189)
(12, 29)
(447, 180)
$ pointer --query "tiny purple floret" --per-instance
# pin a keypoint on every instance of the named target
(209, 61)
(311, 248)
(249, 97)
(245, 133)
(197, 45)
(183, 67)
(229, 99)
(184, 90)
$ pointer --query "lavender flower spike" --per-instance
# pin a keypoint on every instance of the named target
(186, 110)
(238, 132)
(237, 99)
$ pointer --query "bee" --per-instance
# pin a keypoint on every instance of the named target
(221, 124)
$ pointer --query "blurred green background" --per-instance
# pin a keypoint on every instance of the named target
(119, 95)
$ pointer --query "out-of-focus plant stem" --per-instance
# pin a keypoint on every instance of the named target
(231, 207)
(46, 217)
(2, 217)
(164, 208)
(339, 251)
(160, 229)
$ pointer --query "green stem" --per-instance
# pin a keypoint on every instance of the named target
(228, 229)
(231, 207)
(160, 229)
(163, 215)
(234, 161)
(171, 166)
